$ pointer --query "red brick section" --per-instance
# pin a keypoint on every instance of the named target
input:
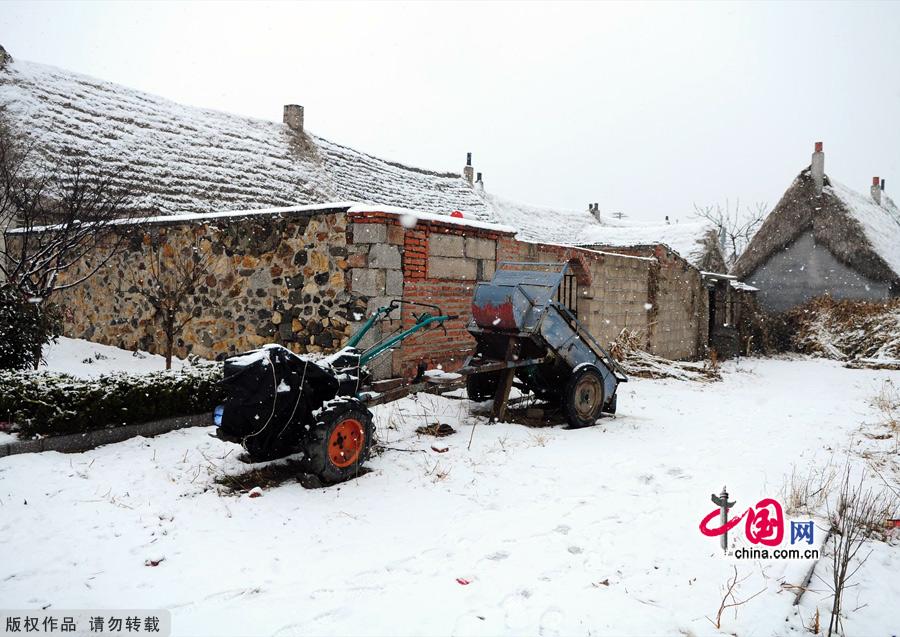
(415, 255)
(454, 297)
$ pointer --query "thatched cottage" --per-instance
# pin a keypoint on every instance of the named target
(824, 238)
(309, 235)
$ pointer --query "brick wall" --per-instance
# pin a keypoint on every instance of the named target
(441, 263)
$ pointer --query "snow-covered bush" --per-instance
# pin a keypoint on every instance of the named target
(48, 403)
(24, 329)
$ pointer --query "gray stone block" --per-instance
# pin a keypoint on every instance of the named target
(477, 248)
(446, 245)
(485, 270)
(394, 283)
(382, 301)
(450, 268)
(369, 233)
(367, 282)
(384, 256)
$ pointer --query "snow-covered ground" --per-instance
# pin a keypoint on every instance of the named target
(533, 531)
(85, 359)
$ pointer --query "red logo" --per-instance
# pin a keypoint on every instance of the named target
(764, 522)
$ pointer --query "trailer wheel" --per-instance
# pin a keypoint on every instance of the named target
(583, 398)
(482, 386)
(340, 441)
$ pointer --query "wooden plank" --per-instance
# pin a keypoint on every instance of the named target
(501, 398)
(498, 412)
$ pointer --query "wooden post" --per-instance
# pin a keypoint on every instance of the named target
(501, 398)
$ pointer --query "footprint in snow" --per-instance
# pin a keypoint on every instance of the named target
(563, 529)
(499, 555)
(575, 550)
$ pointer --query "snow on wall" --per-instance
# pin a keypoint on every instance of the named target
(685, 238)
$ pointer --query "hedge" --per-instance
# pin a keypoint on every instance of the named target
(48, 403)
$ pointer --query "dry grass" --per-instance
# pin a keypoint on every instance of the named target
(866, 333)
(809, 493)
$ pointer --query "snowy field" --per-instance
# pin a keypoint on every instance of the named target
(84, 359)
(534, 531)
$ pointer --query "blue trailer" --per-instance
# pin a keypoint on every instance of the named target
(526, 334)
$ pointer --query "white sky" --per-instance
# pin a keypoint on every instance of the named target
(644, 108)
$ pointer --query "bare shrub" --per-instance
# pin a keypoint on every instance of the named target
(858, 515)
(729, 599)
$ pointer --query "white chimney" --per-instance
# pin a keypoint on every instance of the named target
(594, 209)
(293, 117)
(817, 168)
(876, 190)
(468, 171)
(479, 183)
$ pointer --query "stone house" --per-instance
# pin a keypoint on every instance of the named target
(824, 238)
(307, 235)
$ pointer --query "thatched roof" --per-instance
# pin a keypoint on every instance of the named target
(857, 231)
(192, 160)
(186, 160)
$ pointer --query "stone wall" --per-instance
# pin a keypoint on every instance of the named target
(309, 279)
(271, 278)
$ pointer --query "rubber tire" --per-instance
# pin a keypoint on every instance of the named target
(318, 461)
(481, 387)
(571, 398)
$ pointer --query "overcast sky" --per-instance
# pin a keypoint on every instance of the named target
(644, 108)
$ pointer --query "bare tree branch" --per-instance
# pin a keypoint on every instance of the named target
(734, 226)
(171, 277)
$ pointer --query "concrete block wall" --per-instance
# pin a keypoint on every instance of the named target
(681, 315)
(612, 289)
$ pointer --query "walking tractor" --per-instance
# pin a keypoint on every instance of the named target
(278, 403)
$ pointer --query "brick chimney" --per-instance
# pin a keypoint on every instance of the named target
(876, 190)
(817, 168)
(293, 117)
(468, 171)
(4, 57)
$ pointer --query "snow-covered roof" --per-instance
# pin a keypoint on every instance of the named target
(690, 239)
(182, 159)
(542, 224)
(880, 223)
(856, 230)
